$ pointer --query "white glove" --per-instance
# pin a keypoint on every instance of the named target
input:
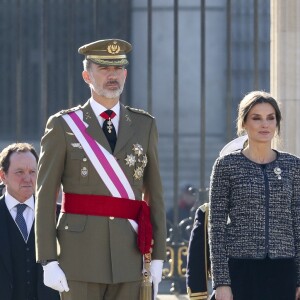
(156, 274)
(55, 278)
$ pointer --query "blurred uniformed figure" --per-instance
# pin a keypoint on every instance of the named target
(198, 262)
(197, 274)
(104, 155)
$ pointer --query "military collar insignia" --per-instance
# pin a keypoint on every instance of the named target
(87, 115)
(127, 118)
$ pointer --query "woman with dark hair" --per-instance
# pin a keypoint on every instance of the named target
(254, 213)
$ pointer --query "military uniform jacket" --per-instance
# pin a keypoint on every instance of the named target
(93, 248)
(198, 264)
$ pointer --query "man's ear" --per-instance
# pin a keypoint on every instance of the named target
(2, 176)
(86, 76)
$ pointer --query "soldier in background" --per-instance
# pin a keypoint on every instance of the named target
(198, 276)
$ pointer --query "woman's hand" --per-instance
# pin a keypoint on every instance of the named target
(297, 293)
(224, 293)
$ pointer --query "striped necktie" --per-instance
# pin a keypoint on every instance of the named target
(21, 221)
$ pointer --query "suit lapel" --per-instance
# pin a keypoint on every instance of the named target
(5, 245)
(94, 129)
(126, 130)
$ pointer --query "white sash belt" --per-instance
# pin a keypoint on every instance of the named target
(104, 163)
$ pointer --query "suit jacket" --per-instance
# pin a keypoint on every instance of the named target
(93, 248)
(7, 283)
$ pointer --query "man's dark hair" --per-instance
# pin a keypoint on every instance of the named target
(14, 148)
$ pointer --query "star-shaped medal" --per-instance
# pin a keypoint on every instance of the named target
(138, 149)
(144, 161)
(138, 173)
(130, 160)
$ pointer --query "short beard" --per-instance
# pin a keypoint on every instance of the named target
(109, 94)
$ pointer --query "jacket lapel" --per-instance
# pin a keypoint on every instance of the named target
(5, 246)
(126, 130)
(94, 129)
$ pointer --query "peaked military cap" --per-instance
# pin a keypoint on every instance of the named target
(234, 145)
(110, 52)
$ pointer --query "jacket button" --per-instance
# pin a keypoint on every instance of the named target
(111, 218)
(67, 227)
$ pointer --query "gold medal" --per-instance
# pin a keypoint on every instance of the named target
(138, 160)
(138, 173)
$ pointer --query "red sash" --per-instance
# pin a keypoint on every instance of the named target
(98, 205)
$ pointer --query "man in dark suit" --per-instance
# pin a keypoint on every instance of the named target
(21, 278)
(105, 156)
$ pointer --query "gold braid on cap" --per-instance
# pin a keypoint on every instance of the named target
(105, 56)
(110, 62)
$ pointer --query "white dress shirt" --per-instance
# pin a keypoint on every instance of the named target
(28, 213)
(99, 109)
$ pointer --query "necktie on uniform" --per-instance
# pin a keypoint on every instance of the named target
(21, 221)
(108, 128)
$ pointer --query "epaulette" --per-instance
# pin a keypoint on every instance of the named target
(139, 111)
(66, 111)
(204, 207)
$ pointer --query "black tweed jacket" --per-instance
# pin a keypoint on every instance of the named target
(254, 211)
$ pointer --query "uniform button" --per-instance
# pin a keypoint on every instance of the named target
(67, 227)
(28, 282)
(27, 249)
(111, 218)
(84, 159)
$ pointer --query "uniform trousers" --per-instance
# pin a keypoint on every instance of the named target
(263, 279)
(98, 291)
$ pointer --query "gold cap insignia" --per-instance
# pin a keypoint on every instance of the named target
(113, 48)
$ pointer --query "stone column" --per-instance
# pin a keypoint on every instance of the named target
(285, 69)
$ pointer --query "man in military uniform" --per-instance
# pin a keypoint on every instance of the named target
(105, 157)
